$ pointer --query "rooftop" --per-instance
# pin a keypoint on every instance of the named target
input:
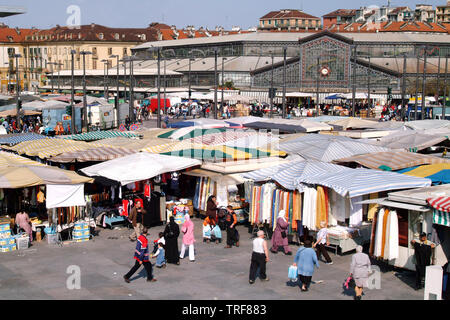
(288, 13)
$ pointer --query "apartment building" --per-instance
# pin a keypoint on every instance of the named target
(289, 19)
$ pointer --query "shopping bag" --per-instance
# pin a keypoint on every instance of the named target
(293, 272)
(349, 283)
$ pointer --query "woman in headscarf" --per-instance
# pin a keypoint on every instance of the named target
(279, 237)
(359, 270)
(211, 208)
(171, 234)
(188, 238)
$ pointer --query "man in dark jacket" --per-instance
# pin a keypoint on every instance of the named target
(232, 233)
(141, 255)
(136, 217)
(422, 253)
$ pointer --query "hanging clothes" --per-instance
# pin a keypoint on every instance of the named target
(356, 211)
(373, 207)
(393, 236)
(338, 206)
(373, 234)
(383, 236)
(310, 208)
(321, 211)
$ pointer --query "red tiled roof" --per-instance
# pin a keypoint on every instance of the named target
(340, 13)
(14, 35)
(283, 14)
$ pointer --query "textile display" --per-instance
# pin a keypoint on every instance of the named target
(373, 207)
(309, 208)
(267, 201)
(322, 206)
(204, 188)
(386, 235)
(58, 196)
(338, 207)
(356, 211)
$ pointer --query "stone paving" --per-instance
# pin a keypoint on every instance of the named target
(218, 273)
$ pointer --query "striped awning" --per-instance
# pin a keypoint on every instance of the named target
(99, 135)
(48, 147)
(357, 182)
(287, 174)
(13, 139)
(327, 148)
(442, 218)
(440, 203)
(96, 154)
(392, 160)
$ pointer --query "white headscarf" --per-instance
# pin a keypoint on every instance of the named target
(282, 214)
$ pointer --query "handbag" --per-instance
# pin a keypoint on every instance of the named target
(350, 283)
(283, 234)
(292, 273)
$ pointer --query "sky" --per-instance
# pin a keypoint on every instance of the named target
(200, 13)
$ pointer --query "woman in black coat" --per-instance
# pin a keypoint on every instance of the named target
(171, 234)
(211, 208)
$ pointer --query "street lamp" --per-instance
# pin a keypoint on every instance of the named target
(131, 101)
(51, 63)
(85, 115)
(116, 102)
(59, 73)
(444, 107)
(105, 68)
(403, 113)
(8, 76)
(158, 51)
(272, 93)
(215, 82)
(424, 82)
(189, 75)
(354, 81)
(223, 84)
(17, 56)
(284, 82)
(72, 93)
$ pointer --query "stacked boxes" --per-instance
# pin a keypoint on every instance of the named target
(7, 242)
(81, 232)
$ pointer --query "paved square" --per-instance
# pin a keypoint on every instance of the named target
(218, 273)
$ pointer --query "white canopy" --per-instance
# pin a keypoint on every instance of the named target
(139, 166)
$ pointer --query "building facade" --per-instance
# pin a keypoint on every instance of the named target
(443, 13)
(289, 19)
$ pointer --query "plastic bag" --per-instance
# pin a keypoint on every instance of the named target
(293, 272)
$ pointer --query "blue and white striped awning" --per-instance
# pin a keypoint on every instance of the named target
(288, 173)
(13, 139)
(357, 182)
(327, 148)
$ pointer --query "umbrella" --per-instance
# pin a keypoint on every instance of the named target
(139, 166)
(18, 172)
(392, 160)
(438, 173)
(327, 148)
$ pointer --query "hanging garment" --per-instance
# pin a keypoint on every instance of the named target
(310, 207)
(125, 210)
(356, 211)
(197, 193)
(373, 234)
(393, 236)
(222, 195)
(321, 213)
(373, 207)
(388, 236)
(147, 190)
(338, 206)
(384, 235)
(379, 233)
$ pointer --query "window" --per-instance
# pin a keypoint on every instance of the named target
(125, 52)
(100, 36)
(109, 51)
(117, 36)
(94, 64)
(270, 21)
(143, 37)
(94, 50)
(45, 51)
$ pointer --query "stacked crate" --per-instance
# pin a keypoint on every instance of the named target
(81, 232)
(7, 242)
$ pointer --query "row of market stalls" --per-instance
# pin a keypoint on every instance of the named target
(315, 174)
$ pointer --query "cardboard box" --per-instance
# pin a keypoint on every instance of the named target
(8, 248)
(5, 234)
(80, 233)
(7, 241)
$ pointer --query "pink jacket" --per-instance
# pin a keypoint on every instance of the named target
(188, 230)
